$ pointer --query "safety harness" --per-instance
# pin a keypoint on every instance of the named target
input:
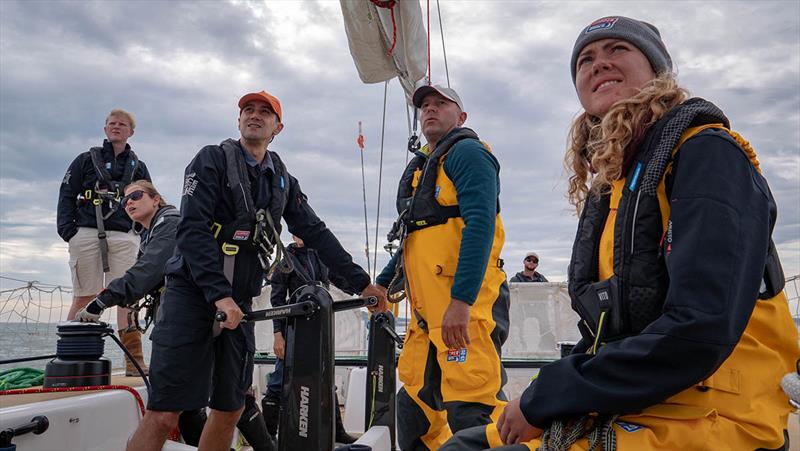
(633, 297)
(253, 231)
(106, 189)
(417, 202)
(151, 300)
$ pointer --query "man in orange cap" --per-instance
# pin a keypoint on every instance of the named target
(220, 268)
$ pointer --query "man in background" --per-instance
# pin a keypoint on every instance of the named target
(529, 273)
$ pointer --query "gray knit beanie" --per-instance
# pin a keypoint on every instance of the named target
(641, 34)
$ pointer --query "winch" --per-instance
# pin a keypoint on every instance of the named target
(79, 358)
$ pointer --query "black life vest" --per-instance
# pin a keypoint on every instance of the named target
(419, 208)
(241, 231)
(104, 179)
(634, 296)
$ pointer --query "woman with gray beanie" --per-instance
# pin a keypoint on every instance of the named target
(686, 330)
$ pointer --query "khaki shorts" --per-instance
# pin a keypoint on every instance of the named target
(86, 265)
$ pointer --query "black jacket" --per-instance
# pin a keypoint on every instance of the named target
(147, 274)
(81, 176)
(521, 277)
(721, 210)
(207, 199)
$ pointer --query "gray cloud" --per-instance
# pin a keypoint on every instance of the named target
(181, 66)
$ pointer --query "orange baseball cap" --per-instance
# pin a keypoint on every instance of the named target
(271, 100)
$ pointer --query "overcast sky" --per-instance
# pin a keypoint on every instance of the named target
(181, 66)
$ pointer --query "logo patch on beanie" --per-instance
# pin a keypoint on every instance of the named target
(602, 24)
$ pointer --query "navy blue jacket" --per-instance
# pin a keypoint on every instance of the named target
(720, 212)
(147, 274)
(81, 176)
(207, 199)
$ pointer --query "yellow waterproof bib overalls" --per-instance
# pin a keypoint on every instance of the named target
(446, 390)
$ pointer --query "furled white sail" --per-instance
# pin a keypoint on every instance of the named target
(370, 30)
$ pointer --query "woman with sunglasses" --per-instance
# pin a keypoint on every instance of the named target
(686, 329)
(158, 222)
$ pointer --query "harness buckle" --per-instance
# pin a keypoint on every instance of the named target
(230, 249)
(216, 228)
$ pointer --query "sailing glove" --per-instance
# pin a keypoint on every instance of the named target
(92, 312)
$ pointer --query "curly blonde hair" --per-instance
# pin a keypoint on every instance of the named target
(600, 149)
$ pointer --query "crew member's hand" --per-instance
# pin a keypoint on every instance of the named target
(380, 293)
(233, 312)
(513, 427)
(454, 325)
(91, 313)
(278, 345)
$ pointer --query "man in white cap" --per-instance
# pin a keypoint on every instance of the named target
(451, 237)
(529, 273)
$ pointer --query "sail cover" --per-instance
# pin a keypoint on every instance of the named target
(371, 32)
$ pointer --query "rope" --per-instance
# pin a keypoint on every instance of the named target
(429, 41)
(372, 400)
(380, 180)
(444, 52)
(360, 142)
(599, 430)
(408, 120)
(130, 390)
(389, 4)
(16, 378)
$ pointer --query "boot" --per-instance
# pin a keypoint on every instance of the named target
(190, 424)
(132, 340)
(251, 425)
(341, 435)
(271, 409)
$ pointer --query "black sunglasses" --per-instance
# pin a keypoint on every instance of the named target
(531, 259)
(136, 195)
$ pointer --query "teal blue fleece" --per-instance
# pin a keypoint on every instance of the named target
(475, 174)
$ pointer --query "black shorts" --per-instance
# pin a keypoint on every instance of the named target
(189, 367)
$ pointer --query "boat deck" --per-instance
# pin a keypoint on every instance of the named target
(30, 398)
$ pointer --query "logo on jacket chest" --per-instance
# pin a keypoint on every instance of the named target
(241, 235)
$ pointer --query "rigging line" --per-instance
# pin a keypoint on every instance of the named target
(444, 52)
(33, 283)
(429, 42)
(410, 131)
(364, 192)
(380, 180)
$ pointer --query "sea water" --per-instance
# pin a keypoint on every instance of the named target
(31, 339)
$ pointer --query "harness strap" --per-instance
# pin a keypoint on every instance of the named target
(101, 235)
(113, 199)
